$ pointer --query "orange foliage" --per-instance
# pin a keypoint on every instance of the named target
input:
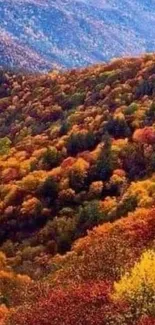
(145, 135)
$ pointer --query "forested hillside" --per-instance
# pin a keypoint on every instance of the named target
(77, 194)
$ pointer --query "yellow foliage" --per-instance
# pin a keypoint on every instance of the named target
(108, 204)
(116, 179)
(55, 172)
(39, 153)
(11, 194)
(32, 181)
(143, 191)
(119, 116)
(81, 165)
(119, 144)
(138, 286)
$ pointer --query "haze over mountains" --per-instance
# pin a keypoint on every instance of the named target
(38, 35)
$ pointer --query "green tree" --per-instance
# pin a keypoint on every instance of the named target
(106, 161)
(49, 189)
(80, 142)
(89, 215)
(51, 158)
(4, 146)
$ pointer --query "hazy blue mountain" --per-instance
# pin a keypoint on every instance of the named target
(40, 34)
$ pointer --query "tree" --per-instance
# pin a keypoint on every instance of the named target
(80, 142)
(106, 161)
(138, 286)
(78, 175)
(118, 127)
(49, 189)
(151, 112)
(4, 146)
(90, 214)
(51, 158)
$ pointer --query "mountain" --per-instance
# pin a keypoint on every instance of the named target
(77, 193)
(41, 35)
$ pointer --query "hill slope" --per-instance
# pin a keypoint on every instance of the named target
(73, 33)
(77, 151)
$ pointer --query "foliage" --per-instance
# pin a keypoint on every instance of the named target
(138, 286)
(80, 142)
(105, 162)
(51, 158)
(77, 159)
(4, 146)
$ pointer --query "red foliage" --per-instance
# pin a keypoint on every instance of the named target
(146, 320)
(145, 135)
(84, 304)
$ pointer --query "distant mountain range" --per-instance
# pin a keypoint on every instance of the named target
(41, 34)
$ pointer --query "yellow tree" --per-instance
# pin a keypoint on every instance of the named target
(138, 286)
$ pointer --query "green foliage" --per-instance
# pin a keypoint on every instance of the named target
(80, 142)
(151, 164)
(118, 128)
(4, 146)
(145, 87)
(64, 127)
(89, 215)
(131, 109)
(106, 161)
(77, 180)
(65, 228)
(100, 86)
(48, 189)
(128, 204)
(134, 162)
(108, 77)
(151, 111)
(77, 99)
(51, 158)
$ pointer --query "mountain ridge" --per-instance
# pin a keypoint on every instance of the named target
(72, 34)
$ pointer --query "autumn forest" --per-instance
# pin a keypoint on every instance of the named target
(77, 195)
